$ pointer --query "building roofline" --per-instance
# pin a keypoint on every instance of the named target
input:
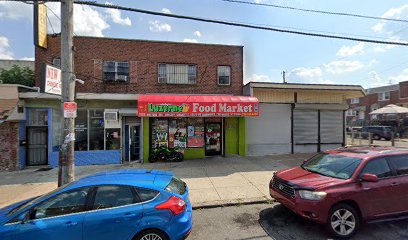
(154, 41)
(306, 86)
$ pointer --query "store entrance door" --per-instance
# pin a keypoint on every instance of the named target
(213, 139)
(37, 144)
(132, 142)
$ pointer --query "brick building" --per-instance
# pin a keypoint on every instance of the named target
(139, 95)
(375, 98)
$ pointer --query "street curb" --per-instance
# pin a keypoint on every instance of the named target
(232, 204)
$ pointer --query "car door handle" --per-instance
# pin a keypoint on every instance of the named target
(394, 184)
(70, 223)
(129, 214)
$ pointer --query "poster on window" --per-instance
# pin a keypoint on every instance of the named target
(179, 137)
(160, 134)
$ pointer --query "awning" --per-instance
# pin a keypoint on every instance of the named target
(197, 106)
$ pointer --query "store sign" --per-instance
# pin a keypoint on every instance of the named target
(199, 109)
(52, 80)
(40, 25)
(70, 110)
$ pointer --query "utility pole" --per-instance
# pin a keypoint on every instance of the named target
(66, 167)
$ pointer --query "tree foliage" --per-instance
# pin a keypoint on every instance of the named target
(17, 75)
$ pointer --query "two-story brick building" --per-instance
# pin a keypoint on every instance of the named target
(139, 95)
(375, 98)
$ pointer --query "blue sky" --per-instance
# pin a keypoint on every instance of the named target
(266, 54)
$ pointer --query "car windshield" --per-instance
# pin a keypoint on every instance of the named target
(332, 165)
(35, 200)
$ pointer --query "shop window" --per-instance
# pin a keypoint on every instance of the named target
(177, 73)
(81, 130)
(112, 138)
(37, 117)
(116, 71)
(96, 130)
(160, 132)
(195, 132)
(224, 75)
(177, 133)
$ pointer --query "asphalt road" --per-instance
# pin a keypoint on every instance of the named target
(273, 221)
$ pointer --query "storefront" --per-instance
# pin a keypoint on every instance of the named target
(198, 125)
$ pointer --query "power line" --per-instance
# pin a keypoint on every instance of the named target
(317, 11)
(223, 22)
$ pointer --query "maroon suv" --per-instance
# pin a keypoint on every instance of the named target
(345, 187)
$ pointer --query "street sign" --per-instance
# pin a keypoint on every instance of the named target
(70, 109)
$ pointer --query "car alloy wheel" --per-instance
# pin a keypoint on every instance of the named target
(151, 236)
(343, 222)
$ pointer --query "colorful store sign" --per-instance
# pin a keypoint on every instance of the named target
(198, 106)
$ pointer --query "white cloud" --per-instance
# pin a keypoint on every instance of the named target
(345, 51)
(340, 67)
(372, 62)
(5, 53)
(190, 40)
(166, 10)
(258, 78)
(87, 21)
(16, 10)
(307, 72)
(376, 80)
(197, 33)
(116, 16)
(403, 76)
(397, 13)
(157, 26)
(27, 59)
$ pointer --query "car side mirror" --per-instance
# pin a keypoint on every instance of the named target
(23, 218)
(368, 177)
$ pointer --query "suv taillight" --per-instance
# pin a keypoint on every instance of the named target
(174, 204)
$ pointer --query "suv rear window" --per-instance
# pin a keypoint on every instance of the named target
(176, 186)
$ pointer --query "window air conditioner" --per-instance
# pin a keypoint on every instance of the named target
(111, 116)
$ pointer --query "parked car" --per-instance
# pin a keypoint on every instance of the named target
(378, 132)
(124, 204)
(346, 187)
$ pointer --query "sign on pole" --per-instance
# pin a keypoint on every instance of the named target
(51, 80)
(40, 24)
(70, 109)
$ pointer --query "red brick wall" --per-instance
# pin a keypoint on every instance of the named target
(144, 57)
(9, 146)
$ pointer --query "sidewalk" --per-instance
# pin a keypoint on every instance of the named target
(212, 181)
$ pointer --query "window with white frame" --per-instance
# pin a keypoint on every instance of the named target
(224, 75)
(383, 96)
(177, 73)
(351, 112)
(116, 71)
(355, 100)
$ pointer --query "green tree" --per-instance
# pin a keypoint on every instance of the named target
(17, 75)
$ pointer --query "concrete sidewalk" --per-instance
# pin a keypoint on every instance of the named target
(212, 181)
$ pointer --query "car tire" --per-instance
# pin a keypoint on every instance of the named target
(151, 234)
(376, 137)
(343, 221)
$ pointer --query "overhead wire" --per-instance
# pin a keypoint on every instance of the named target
(317, 11)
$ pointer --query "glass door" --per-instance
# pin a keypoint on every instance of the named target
(134, 143)
(213, 138)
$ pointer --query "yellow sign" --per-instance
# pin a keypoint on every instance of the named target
(40, 25)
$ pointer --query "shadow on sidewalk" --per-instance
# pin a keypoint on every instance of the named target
(192, 168)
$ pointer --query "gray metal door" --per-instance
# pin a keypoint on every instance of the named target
(305, 126)
(331, 127)
(37, 146)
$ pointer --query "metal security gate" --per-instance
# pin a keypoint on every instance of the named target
(331, 129)
(37, 143)
(305, 130)
(317, 130)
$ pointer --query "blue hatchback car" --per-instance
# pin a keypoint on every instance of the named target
(123, 204)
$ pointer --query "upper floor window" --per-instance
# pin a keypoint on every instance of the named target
(351, 112)
(177, 73)
(355, 100)
(224, 75)
(384, 96)
(116, 71)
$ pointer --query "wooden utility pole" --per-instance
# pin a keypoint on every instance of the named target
(66, 167)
